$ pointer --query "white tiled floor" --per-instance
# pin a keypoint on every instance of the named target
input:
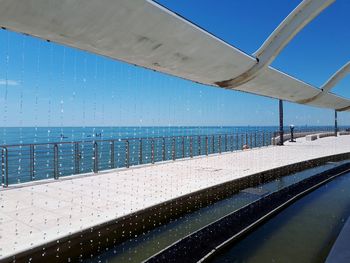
(35, 214)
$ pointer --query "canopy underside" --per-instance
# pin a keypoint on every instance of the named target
(145, 34)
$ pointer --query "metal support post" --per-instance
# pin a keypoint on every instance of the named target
(281, 122)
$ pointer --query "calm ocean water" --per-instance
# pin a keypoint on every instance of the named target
(56, 152)
(66, 134)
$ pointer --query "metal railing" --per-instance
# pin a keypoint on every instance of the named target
(29, 162)
(302, 132)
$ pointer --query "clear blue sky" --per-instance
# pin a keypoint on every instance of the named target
(52, 85)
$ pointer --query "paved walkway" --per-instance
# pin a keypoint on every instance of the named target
(35, 214)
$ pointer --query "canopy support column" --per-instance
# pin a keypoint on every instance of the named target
(335, 123)
(281, 132)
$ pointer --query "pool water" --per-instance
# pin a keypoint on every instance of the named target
(304, 232)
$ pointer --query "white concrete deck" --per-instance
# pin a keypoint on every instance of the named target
(35, 214)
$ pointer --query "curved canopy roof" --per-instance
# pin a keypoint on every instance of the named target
(144, 33)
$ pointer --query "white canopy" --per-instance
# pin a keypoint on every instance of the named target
(143, 33)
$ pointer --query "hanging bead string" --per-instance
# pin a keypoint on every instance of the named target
(83, 89)
(121, 72)
(49, 110)
(104, 88)
(102, 99)
(73, 112)
(143, 86)
(21, 82)
(102, 105)
(62, 92)
(36, 91)
(36, 104)
(113, 86)
(7, 61)
(74, 94)
(135, 86)
(49, 162)
(94, 100)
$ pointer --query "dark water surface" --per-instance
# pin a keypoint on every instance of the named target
(304, 232)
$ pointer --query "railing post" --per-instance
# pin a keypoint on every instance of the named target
(163, 149)
(225, 142)
(112, 154)
(31, 162)
(251, 140)
(95, 157)
(183, 147)
(55, 162)
(140, 152)
(7, 167)
(246, 139)
(237, 140)
(174, 148)
(219, 143)
(232, 139)
(255, 140)
(213, 143)
(199, 145)
(206, 145)
(152, 150)
(77, 157)
(263, 138)
(4, 167)
(242, 141)
(191, 149)
(127, 153)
